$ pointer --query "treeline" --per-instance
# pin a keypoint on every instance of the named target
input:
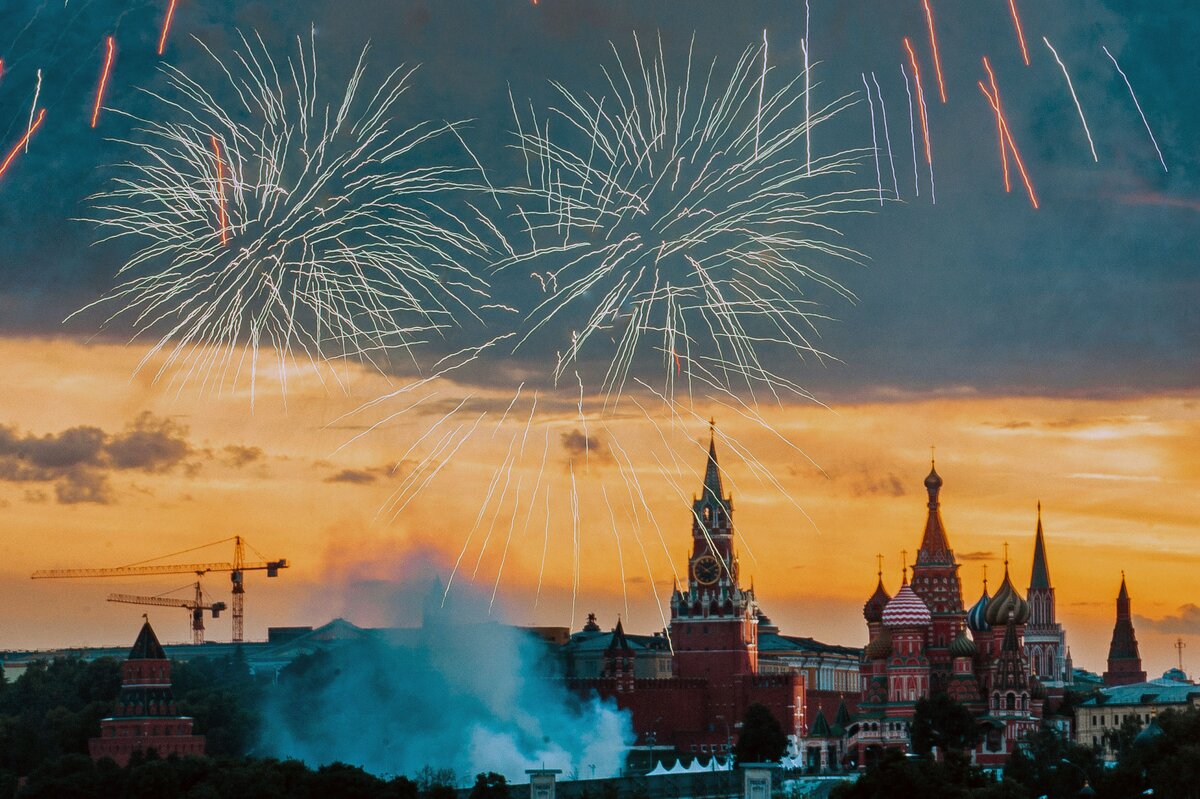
(1163, 763)
(54, 707)
(148, 777)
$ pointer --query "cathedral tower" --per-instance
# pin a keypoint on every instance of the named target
(935, 579)
(1045, 641)
(1124, 661)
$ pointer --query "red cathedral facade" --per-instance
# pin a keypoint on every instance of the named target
(1000, 658)
(146, 716)
(714, 673)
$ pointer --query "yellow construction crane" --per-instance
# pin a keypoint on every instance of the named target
(195, 606)
(236, 568)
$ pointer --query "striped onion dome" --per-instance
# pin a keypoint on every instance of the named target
(880, 646)
(906, 610)
(977, 615)
(962, 646)
(1007, 603)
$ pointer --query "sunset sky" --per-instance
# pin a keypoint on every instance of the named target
(1049, 355)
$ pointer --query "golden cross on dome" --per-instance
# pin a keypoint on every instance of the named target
(879, 560)
(1006, 556)
(985, 577)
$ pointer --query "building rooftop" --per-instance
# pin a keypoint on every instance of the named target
(1154, 692)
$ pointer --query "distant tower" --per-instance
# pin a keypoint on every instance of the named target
(935, 580)
(1124, 662)
(146, 716)
(1045, 641)
(618, 660)
(714, 622)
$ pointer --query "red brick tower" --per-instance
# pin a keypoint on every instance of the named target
(714, 622)
(1124, 661)
(145, 716)
(935, 579)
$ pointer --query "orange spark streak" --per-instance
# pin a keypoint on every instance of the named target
(21, 144)
(1, 67)
(937, 61)
(108, 59)
(912, 58)
(162, 41)
(995, 103)
(221, 215)
(678, 364)
(999, 125)
(1012, 5)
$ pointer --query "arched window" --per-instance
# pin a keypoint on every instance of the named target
(1010, 701)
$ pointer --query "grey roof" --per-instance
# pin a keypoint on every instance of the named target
(1157, 692)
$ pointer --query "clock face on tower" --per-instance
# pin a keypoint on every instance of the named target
(706, 570)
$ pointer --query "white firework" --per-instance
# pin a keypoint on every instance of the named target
(684, 209)
(271, 219)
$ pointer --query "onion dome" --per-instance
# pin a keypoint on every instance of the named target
(962, 646)
(906, 610)
(880, 646)
(977, 615)
(1148, 733)
(934, 481)
(873, 610)
(1007, 603)
(1036, 689)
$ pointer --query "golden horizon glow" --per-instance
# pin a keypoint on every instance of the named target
(1117, 479)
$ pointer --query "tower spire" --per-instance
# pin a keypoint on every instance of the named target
(712, 472)
(1040, 576)
(1124, 660)
(935, 546)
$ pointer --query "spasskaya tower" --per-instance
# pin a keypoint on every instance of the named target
(714, 621)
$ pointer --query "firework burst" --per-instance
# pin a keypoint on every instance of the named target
(314, 230)
(680, 209)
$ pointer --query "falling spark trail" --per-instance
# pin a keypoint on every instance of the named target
(762, 85)
(937, 60)
(222, 216)
(574, 544)
(110, 46)
(806, 46)
(1012, 6)
(874, 139)
(37, 91)
(162, 40)
(22, 143)
(1074, 97)
(1138, 106)
(999, 125)
(887, 136)
(995, 103)
(912, 131)
(912, 57)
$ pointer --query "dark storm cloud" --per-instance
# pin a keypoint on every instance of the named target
(1186, 620)
(888, 485)
(976, 555)
(1095, 291)
(79, 460)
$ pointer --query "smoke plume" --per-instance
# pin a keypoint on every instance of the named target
(461, 692)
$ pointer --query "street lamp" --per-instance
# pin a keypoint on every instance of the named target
(1086, 790)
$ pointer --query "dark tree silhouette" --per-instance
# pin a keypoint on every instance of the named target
(762, 739)
(940, 721)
